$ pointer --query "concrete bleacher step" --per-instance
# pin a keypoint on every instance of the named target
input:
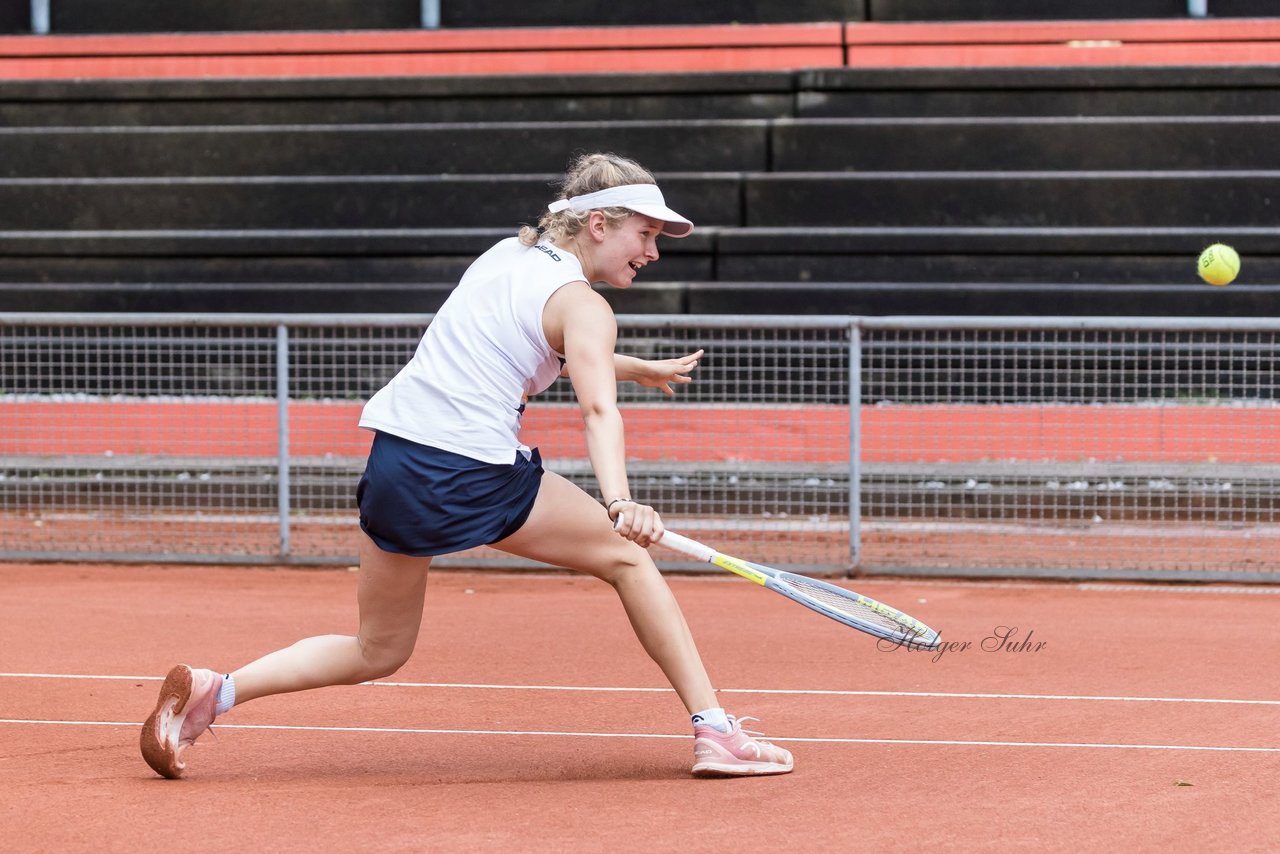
(318, 202)
(369, 295)
(745, 145)
(275, 258)
(522, 98)
(675, 298)
(727, 270)
(1139, 255)
(1169, 90)
(377, 149)
(622, 49)
(428, 52)
(1184, 299)
(1012, 199)
(1006, 199)
(816, 93)
(995, 143)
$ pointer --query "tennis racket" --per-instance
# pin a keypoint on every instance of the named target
(844, 606)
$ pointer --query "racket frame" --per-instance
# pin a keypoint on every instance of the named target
(914, 634)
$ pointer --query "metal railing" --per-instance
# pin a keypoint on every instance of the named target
(1078, 447)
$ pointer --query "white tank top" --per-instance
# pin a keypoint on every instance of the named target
(482, 356)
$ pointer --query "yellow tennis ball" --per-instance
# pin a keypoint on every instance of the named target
(1219, 264)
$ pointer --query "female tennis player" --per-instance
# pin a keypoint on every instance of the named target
(447, 470)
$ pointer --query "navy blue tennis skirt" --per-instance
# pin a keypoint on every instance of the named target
(422, 501)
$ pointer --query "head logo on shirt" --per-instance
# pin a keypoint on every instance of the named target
(547, 250)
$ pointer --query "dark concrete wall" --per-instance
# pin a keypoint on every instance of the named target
(137, 16)
(149, 16)
(1025, 10)
(516, 13)
(15, 16)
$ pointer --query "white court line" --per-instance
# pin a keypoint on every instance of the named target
(799, 692)
(835, 693)
(550, 733)
(1172, 585)
(1249, 589)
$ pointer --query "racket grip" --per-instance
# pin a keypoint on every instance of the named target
(672, 540)
(675, 542)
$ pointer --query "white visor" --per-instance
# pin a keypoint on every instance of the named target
(642, 198)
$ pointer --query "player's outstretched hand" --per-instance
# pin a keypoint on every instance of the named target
(661, 373)
(637, 522)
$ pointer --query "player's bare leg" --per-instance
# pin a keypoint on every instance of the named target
(390, 593)
(568, 528)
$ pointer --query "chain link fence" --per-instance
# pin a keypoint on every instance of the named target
(1112, 448)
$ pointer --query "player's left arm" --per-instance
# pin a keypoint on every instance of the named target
(652, 373)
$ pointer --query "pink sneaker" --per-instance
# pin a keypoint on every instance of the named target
(186, 708)
(736, 753)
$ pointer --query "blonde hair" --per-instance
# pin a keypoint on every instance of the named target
(588, 174)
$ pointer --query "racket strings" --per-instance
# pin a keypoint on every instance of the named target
(848, 604)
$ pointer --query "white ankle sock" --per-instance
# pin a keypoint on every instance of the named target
(227, 695)
(713, 717)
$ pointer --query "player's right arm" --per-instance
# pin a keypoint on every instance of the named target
(582, 323)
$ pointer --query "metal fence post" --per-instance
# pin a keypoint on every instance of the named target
(855, 444)
(40, 17)
(282, 434)
(431, 14)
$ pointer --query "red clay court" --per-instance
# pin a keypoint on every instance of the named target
(529, 719)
